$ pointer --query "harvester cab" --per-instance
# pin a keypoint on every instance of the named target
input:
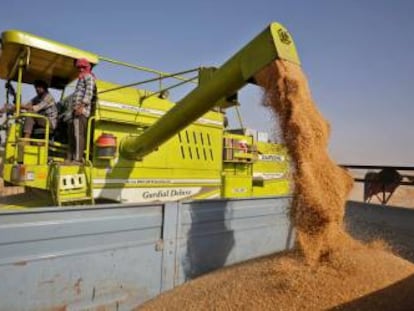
(142, 147)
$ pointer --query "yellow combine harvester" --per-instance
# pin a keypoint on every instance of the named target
(158, 150)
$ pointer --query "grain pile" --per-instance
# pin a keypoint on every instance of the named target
(363, 279)
(328, 269)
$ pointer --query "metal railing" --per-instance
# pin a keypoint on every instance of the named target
(160, 76)
(43, 142)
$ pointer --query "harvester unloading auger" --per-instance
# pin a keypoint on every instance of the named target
(274, 42)
(143, 147)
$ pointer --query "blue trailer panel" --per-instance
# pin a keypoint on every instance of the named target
(119, 256)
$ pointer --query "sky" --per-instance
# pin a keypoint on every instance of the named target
(358, 55)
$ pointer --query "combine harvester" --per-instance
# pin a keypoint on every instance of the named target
(149, 154)
(143, 147)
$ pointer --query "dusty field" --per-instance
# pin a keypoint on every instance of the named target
(403, 196)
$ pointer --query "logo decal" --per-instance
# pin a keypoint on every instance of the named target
(284, 36)
(271, 158)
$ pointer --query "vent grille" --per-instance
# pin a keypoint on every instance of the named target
(195, 145)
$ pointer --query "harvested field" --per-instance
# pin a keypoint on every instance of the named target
(329, 269)
(402, 197)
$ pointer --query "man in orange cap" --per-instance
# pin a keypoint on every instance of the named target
(83, 103)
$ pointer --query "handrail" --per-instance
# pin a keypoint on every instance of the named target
(145, 69)
(171, 87)
(88, 162)
(172, 75)
(88, 136)
(22, 139)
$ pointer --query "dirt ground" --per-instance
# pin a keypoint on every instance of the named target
(402, 197)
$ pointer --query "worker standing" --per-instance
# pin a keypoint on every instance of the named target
(83, 103)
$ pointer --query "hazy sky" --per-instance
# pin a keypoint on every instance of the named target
(358, 55)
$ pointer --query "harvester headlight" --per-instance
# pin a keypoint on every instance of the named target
(106, 146)
(19, 174)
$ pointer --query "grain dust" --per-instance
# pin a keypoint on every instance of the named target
(321, 187)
